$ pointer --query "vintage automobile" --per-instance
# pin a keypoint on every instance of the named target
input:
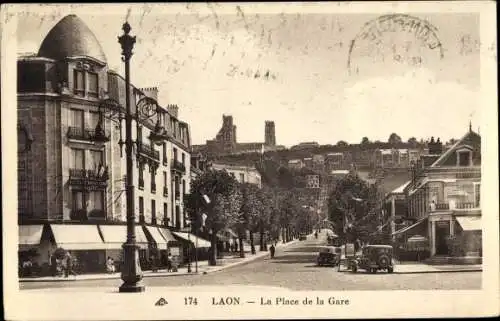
(302, 237)
(373, 258)
(329, 256)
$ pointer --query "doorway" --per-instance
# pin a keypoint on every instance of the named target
(442, 234)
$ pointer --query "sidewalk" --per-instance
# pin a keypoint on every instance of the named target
(230, 260)
(425, 268)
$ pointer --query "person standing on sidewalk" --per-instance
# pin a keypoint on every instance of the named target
(69, 265)
(272, 249)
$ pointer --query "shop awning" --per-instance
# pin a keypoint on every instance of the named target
(30, 235)
(405, 229)
(226, 234)
(115, 235)
(160, 241)
(167, 235)
(197, 241)
(77, 237)
(469, 223)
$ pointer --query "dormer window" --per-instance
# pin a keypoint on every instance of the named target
(464, 156)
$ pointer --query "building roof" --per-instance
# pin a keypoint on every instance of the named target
(401, 188)
(339, 172)
(71, 37)
(469, 135)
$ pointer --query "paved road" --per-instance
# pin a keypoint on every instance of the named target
(293, 268)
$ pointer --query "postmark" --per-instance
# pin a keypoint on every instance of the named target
(394, 39)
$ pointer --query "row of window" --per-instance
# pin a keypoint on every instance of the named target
(154, 218)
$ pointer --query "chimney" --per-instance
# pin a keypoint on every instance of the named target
(435, 147)
(151, 92)
(173, 110)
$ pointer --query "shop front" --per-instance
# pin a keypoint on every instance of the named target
(114, 236)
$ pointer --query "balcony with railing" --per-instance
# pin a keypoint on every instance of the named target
(178, 166)
(83, 134)
(148, 151)
(437, 207)
(89, 179)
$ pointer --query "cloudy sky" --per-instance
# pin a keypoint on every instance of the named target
(291, 68)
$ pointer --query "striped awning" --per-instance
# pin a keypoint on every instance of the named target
(160, 241)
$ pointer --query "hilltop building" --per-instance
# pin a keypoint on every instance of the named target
(225, 142)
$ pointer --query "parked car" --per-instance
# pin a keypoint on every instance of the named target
(373, 258)
(329, 256)
(302, 237)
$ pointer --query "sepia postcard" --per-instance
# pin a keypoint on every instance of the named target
(249, 160)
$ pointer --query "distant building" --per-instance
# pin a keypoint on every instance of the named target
(243, 174)
(225, 142)
(305, 145)
(270, 134)
(312, 181)
(296, 164)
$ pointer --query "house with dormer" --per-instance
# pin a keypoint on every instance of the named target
(443, 201)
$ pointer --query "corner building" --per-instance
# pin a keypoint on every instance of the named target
(71, 189)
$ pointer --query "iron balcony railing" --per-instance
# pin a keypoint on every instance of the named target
(148, 151)
(86, 134)
(88, 178)
(178, 166)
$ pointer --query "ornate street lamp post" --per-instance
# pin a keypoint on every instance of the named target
(131, 271)
(146, 108)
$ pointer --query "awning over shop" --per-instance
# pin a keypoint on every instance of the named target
(469, 223)
(30, 235)
(227, 234)
(198, 241)
(77, 237)
(167, 235)
(160, 241)
(115, 235)
(405, 229)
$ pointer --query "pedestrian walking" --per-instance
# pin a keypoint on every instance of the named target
(272, 249)
(68, 267)
(169, 262)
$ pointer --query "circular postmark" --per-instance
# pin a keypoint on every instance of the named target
(394, 41)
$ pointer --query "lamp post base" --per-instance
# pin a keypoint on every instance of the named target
(131, 270)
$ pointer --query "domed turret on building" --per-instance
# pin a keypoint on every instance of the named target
(71, 37)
